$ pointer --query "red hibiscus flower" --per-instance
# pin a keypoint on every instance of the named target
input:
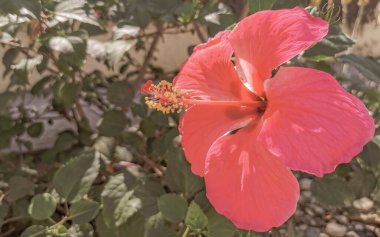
(244, 129)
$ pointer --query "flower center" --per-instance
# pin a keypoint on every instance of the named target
(167, 99)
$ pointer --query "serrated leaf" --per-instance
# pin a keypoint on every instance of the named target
(35, 231)
(42, 206)
(115, 194)
(74, 179)
(83, 211)
(120, 94)
(331, 191)
(172, 207)
(127, 206)
(219, 226)
(260, 5)
(195, 217)
(19, 187)
(155, 226)
(113, 123)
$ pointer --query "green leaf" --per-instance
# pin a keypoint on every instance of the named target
(371, 155)
(331, 191)
(85, 230)
(83, 211)
(260, 5)
(119, 204)
(35, 231)
(367, 66)
(195, 218)
(65, 94)
(35, 129)
(148, 192)
(155, 226)
(120, 94)
(172, 207)
(335, 42)
(73, 9)
(362, 183)
(113, 123)
(61, 44)
(178, 175)
(219, 226)
(42, 206)
(74, 179)
(134, 227)
(111, 52)
(19, 187)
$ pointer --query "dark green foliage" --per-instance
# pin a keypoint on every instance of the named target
(90, 159)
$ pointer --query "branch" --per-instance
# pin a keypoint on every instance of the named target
(149, 54)
(199, 32)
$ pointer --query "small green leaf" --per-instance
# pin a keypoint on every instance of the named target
(219, 226)
(35, 231)
(19, 188)
(172, 207)
(83, 211)
(74, 179)
(65, 94)
(42, 206)
(113, 123)
(195, 218)
(127, 206)
(35, 129)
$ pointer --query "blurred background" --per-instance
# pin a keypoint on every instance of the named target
(81, 155)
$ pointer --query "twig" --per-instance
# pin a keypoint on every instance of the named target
(158, 169)
(149, 55)
(199, 32)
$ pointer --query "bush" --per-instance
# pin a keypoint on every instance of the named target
(116, 168)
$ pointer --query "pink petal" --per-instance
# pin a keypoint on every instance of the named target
(248, 185)
(201, 125)
(311, 122)
(267, 39)
(209, 73)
